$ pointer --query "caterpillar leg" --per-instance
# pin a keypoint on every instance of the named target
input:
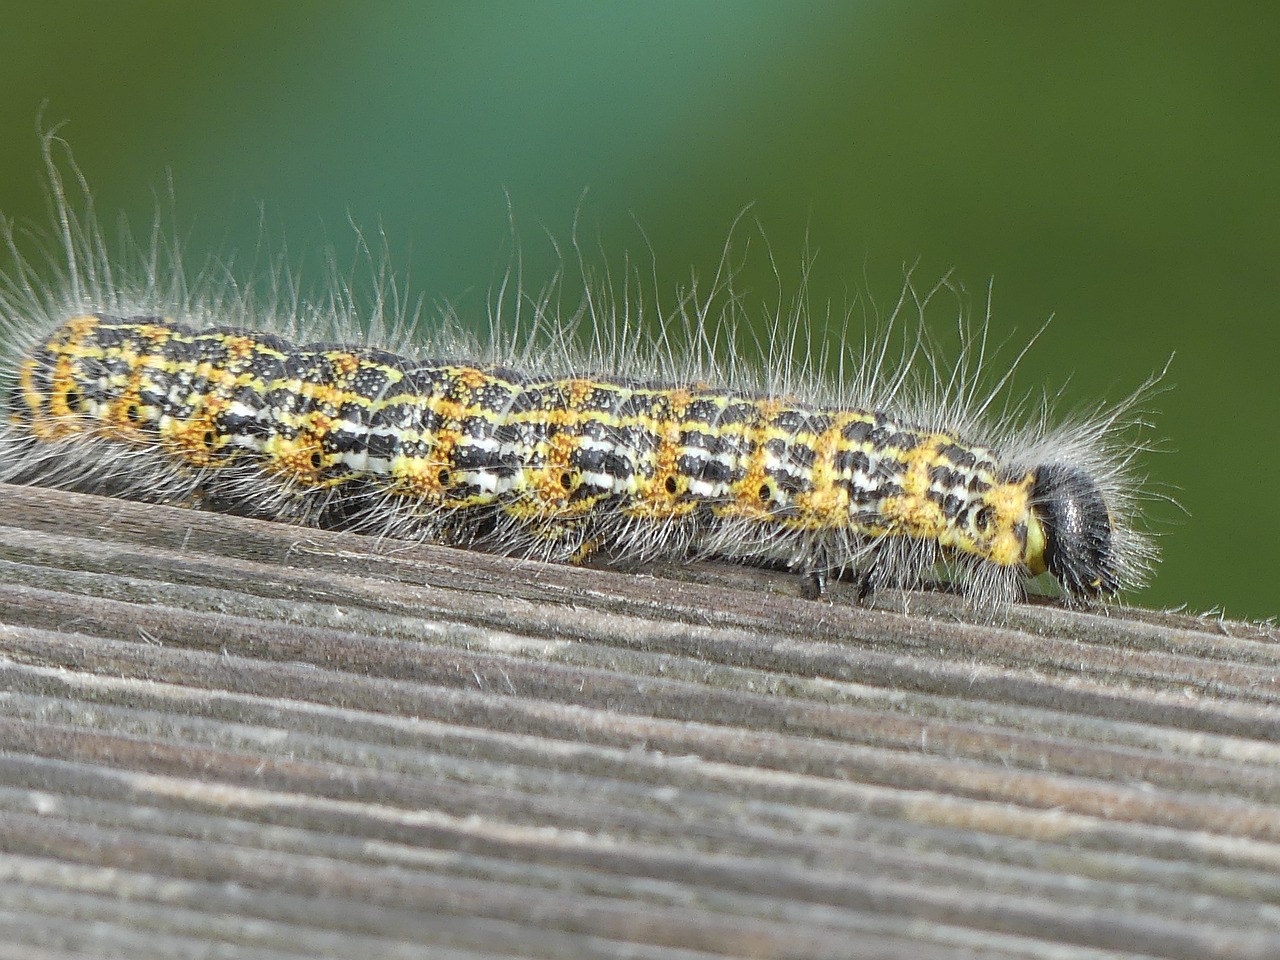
(869, 578)
(815, 585)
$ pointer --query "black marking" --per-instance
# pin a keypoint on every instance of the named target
(1077, 530)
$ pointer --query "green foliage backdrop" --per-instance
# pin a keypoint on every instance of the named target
(1113, 165)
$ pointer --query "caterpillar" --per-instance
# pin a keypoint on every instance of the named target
(133, 387)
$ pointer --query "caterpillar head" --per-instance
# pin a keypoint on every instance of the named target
(1077, 530)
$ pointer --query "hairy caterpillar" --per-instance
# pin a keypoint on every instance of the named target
(130, 384)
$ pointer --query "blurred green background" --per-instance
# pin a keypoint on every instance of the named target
(1111, 164)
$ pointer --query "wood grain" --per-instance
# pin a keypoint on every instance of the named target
(221, 737)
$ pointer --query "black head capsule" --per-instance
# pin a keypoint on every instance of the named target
(1077, 530)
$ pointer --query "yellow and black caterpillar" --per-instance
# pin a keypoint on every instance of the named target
(897, 475)
(553, 467)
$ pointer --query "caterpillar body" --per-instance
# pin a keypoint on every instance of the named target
(109, 390)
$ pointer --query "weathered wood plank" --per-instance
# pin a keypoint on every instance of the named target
(223, 737)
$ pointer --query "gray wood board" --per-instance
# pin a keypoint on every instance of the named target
(221, 737)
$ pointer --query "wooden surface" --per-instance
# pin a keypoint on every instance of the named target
(227, 738)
